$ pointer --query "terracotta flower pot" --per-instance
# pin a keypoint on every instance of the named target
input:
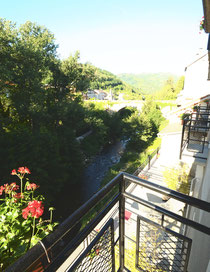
(165, 197)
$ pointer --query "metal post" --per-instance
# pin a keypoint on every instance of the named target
(183, 129)
(149, 158)
(112, 246)
(188, 137)
(122, 225)
(162, 220)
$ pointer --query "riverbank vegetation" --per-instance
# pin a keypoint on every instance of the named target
(142, 128)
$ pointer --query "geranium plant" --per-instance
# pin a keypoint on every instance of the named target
(143, 176)
(21, 223)
(201, 25)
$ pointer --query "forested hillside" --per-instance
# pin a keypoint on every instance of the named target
(107, 81)
(148, 83)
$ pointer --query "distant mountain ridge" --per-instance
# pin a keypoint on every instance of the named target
(148, 83)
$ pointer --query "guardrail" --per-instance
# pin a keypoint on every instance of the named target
(147, 162)
(194, 132)
(65, 248)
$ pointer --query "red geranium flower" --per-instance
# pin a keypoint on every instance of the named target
(97, 251)
(18, 195)
(35, 209)
(24, 170)
(13, 172)
(21, 170)
(25, 213)
(12, 187)
(32, 186)
(27, 171)
(1, 190)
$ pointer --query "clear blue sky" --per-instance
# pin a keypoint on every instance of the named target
(117, 35)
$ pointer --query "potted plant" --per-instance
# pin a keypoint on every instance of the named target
(207, 102)
(201, 26)
(177, 179)
(184, 116)
(143, 176)
(195, 108)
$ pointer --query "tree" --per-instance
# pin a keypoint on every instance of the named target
(24, 65)
(78, 76)
(170, 90)
(179, 85)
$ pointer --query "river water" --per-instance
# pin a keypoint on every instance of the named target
(97, 169)
(72, 197)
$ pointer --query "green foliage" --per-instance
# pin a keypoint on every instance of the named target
(142, 128)
(184, 115)
(106, 128)
(163, 124)
(178, 178)
(21, 224)
(163, 85)
(78, 76)
(162, 105)
(41, 110)
(170, 90)
(131, 160)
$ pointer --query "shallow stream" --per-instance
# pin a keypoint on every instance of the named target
(97, 169)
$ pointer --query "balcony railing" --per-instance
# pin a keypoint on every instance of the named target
(194, 132)
(119, 230)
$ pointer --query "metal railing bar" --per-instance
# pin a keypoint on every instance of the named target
(125, 270)
(117, 240)
(122, 225)
(69, 249)
(137, 214)
(198, 157)
(183, 141)
(185, 238)
(203, 205)
(177, 217)
(130, 239)
(198, 119)
(200, 141)
(198, 127)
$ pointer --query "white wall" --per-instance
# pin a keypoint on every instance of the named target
(196, 83)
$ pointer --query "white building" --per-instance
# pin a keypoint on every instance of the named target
(197, 83)
(97, 94)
